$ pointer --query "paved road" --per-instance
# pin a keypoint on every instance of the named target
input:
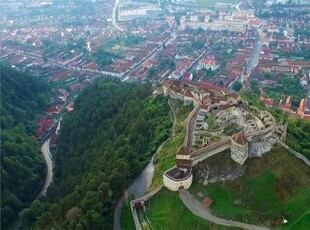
(114, 15)
(256, 52)
(141, 184)
(47, 156)
(150, 56)
(198, 209)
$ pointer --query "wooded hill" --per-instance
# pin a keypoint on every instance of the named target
(103, 145)
(23, 98)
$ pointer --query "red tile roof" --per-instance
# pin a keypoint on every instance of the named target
(188, 93)
(234, 95)
(239, 138)
(204, 85)
(207, 202)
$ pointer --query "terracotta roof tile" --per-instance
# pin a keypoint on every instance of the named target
(239, 138)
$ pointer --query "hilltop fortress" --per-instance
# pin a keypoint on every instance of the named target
(219, 121)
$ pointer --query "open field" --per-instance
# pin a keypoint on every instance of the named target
(211, 3)
(273, 186)
(166, 211)
(166, 157)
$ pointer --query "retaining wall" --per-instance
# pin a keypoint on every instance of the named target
(259, 133)
(189, 123)
(206, 152)
(145, 198)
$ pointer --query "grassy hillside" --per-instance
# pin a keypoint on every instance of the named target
(166, 211)
(298, 136)
(273, 186)
(166, 157)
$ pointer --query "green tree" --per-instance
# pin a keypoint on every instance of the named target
(237, 86)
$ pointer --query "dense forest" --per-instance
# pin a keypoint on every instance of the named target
(22, 166)
(102, 146)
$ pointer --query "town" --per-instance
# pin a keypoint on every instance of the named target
(227, 45)
(236, 64)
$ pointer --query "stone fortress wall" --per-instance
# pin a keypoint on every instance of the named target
(189, 124)
(172, 178)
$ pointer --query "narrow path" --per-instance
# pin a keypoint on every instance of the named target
(174, 118)
(47, 156)
(305, 213)
(198, 209)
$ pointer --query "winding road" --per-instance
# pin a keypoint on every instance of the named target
(141, 184)
(198, 209)
(48, 159)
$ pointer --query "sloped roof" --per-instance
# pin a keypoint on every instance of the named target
(188, 93)
(166, 83)
(239, 138)
(207, 202)
(183, 163)
(234, 95)
(182, 151)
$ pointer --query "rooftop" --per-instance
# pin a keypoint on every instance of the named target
(239, 138)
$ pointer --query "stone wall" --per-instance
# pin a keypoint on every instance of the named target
(145, 198)
(208, 151)
(189, 127)
(175, 184)
(260, 133)
(239, 153)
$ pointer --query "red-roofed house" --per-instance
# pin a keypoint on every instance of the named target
(44, 126)
(207, 202)
(52, 110)
(208, 63)
(188, 76)
(286, 104)
(267, 101)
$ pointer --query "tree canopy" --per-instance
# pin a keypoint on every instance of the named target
(22, 165)
(103, 145)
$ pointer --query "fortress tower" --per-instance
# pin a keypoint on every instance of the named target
(239, 148)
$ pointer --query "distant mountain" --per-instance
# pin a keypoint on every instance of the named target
(22, 166)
